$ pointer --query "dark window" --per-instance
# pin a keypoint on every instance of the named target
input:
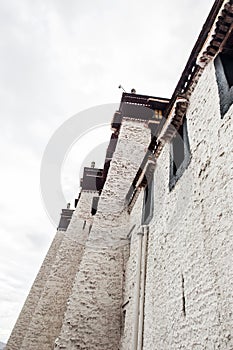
(227, 63)
(179, 154)
(148, 203)
(95, 202)
(224, 74)
(123, 321)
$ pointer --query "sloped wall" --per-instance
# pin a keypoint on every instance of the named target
(24, 319)
(47, 319)
(189, 281)
(94, 318)
(41, 318)
(128, 303)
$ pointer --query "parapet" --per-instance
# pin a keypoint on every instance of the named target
(140, 107)
(66, 216)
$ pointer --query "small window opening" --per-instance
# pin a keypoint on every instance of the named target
(179, 154)
(148, 203)
(95, 202)
(178, 150)
(123, 321)
(183, 297)
(227, 63)
(224, 74)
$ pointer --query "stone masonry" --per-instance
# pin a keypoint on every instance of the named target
(190, 238)
(41, 318)
(24, 319)
(93, 317)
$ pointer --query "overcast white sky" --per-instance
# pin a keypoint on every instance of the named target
(58, 58)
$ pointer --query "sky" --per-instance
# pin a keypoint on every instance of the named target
(57, 59)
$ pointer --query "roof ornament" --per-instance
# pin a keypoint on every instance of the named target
(92, 165)
(121, 87)
(68, 206)
(133, 91)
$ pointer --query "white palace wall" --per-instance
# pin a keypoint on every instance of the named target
(24, 319)
(93, 318)
(189, 278)
(41, 318)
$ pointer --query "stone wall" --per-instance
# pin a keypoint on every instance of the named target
(24, 319)
(94, 315)
(47, 319)
(128, 304)
(41, 318)
(85, 205)
(189, 280)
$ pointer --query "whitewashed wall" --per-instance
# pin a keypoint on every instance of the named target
(191, 235)
(93, 319)
(41, 318)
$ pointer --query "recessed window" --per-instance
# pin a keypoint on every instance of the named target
(148, 203)
(224, 74)
(227, 63)
(179, 154)
(95, 202)
(123, 322)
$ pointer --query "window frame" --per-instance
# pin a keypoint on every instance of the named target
(224, 90)
(148, 200)
(175, 176)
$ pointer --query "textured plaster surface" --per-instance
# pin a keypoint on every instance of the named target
(189, 280)
(24, 319)
(132, 144)
(49, 302)
(94, 315)
(129, 301)
(85, 205)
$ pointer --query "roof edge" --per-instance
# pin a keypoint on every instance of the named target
(191, 66)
